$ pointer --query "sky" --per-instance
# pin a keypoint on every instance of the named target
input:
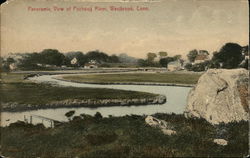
(174, 26)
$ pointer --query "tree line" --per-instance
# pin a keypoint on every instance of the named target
(231, 55)
(53, 57)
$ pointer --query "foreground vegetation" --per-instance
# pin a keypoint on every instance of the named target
(124, 137)
(16, 90)
(173, 78)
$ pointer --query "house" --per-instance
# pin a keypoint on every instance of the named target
(73, 61)
(91, 64)
(49, 66)
(175, 65)
(38, 64)
(13, 66)
(200, 58)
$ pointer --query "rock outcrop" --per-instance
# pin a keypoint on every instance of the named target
(163, 125)
(220, 96)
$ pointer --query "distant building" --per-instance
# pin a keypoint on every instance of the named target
(91, 64)
(245, 52)
(200, 58)
(185, 62)
(203, 52)
(39, 64)
(73, 61)
(175, 65)
(13, 66)
(47, 65)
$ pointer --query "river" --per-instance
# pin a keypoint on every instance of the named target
(176, 102)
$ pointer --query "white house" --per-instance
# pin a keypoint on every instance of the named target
(91, 64)
(13, 66)
(73, 61)
(200, 58)
(174, 65)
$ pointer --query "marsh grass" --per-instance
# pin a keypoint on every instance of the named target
(126, 136)
(15, 89)
(175, 78)
(32, 93)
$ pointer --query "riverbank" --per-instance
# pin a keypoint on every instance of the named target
(76, 103)
(19, 95)
(128, 136)
(62, 78)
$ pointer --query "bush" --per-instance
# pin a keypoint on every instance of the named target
(101, 138)
(70, 114)
(198, 67)
(98, 115)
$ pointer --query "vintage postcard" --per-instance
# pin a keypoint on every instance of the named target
(124, 78)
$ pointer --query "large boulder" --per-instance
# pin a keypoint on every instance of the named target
(220, 95)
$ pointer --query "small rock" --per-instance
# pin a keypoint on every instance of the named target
(150, 120)
(168, 131)
(220, 142)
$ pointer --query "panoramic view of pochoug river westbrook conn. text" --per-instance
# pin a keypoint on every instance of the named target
(124, 79)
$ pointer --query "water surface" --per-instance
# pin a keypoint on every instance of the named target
(176, 102)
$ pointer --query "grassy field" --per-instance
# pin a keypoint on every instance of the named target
(174, 78)
(15, 89)
(13, 78)
(124, 137)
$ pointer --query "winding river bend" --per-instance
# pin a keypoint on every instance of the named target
(176, 101)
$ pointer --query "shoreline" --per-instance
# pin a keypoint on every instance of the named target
(83, 103)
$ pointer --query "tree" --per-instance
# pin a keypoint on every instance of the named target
(10, 60)
(245, 54)
(188, 66)
(124, 58)
(151, 57)
(192, 55)
(114, 59)
(52, 57)
(4, 66)
(245, 50)
(142, 62)
(177, 57)
(164, 61)
(204, 52)
(81, 58)
(229, 56)
(163, 54)
(200, 66)
(214, 63)
(29, 61)
(197, 67)
(98, 56)
(98, 115)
